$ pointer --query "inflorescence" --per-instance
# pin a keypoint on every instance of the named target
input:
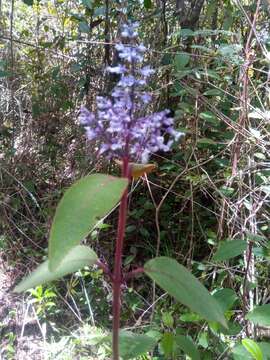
(117, 123)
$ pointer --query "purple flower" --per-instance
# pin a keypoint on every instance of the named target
(120, 69)
(130, 30)
(146, 71)
(117, 123)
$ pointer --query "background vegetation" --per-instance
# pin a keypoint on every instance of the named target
(209, 195)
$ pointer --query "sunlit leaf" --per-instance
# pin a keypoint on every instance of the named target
(253, 348)
(82, 206)
(180, 283)
(76, 258)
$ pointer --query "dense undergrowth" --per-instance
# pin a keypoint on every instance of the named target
(207, 202)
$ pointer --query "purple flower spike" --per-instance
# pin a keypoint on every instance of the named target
(117, 123)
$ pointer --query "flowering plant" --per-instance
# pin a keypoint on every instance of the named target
(119, 124)
(127, 134)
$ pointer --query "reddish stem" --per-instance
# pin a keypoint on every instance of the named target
(105, 269)
(117, 274)
(133, 273)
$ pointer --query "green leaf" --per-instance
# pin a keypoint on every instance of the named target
(226, 190)
(206, 141)
(100, 11)
(77, 257)
(190, 317)
(186, 32)
(84, 27)
(167, 319)
(213, 92)
(88, 4)
(147, 4)
(265, 347)
(188, 347)
(253, 348)
(209, 117)
(230, 249)
(167, 343)
(233, 329)
(132, 345)
(239, 353)
(260, 315)
(29, 2)
(81, 207)
(226, 298)
(5, 73)
(181, 61)
(180, 283)
(203, 340)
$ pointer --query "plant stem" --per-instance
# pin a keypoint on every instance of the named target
(117, 273)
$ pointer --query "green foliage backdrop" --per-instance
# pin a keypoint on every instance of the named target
(207, 202)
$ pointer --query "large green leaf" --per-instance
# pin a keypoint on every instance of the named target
(230, 249)
(253, 348)
(188, 347)
(132, 345)
(260, 315)
(180, 283)
(87, 201)
(77, 258)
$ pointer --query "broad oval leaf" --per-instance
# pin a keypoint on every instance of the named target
(188, 347)
(82, 206)
(230, 249)
(77, 258)
(181, 284)
(253, 348)
(260, 315)
(133, 345)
